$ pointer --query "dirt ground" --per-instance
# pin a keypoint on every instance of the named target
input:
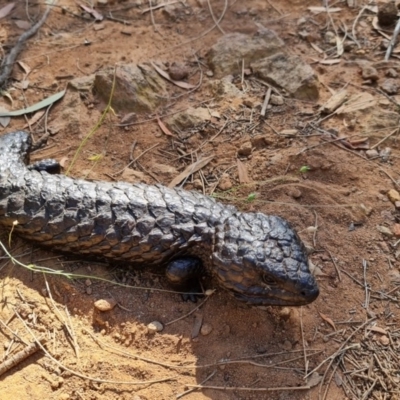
(333, 195)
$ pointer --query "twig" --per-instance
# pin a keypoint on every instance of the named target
(335, 265)
(303, 342)
(194, 389)
(386, 137)
(21, 355)
(216, 22)
(248, 389)
(266, 101)
(8, 61)
(392, 41)
(353, 29)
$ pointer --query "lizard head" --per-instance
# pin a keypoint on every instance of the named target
(261, 260)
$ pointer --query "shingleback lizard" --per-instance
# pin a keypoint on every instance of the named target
(256, 257)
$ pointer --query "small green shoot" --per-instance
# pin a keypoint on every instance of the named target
(304, 169)
(251, 197)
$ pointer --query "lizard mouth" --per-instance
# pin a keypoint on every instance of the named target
(280, 297)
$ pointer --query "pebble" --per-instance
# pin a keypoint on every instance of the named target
(393, 195)
(287, 345)
(372, 153)
(105, 304)
(384, 340)
(277, 100)
(385, 154)
(396, 230)
(155, 326)
(370, 73)
(225, 182)
(390, 86)
(385, 231)
(206, 329)
(245, 149)
(178, 72)
(391, 73)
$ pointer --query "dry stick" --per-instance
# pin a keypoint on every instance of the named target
(392, 41)
(90, 378)
(231, 388)
(266, 101)
(153, 8)
(366, 287)
(216, 22)
(335, 265)
(315, 230)
(303, 342)
(190, 312)
(353, 29)
(134, 160)
(21, 355)
(386, 137)
(178, 396)
(8, 62)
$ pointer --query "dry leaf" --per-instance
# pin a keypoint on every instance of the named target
(23, 24)
(328, 320)
(359, 101)
(314, 379)
(316, 48)
(339, 46)
(4, 11)
(191, 169)
(330, 61)
(25, 67)
(377, 329)
(95, 14)
(317, 10)
(164, 128)
(4, 121)
(183, 85)
(242, 171)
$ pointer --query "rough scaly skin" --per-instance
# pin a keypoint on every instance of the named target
(258, 258)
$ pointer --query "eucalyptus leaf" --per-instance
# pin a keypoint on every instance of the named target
(36, 107)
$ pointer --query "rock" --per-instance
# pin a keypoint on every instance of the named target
(387, 13)
(391, 73)
(225, 182)
(380, 119)
(290, 73)
(245, 149)
(105, 304)
(393, 195)
(224, 55)
(396, 230)
(287, 345)
(188, 119)
(370, 73)
(223, 88)
(138, 88)
(155, 326)
(330, 38)
(390, 86)
(178, 72)
(384, 340)
(83, 83)
(206, 329)
(372, 153)
(385, 154)
(168, 172)
(277, 100)
(385, 231)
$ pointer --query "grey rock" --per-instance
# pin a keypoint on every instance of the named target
(290, 73)
(372, 153)
(225, 56)
(188, 119)
(138, 88)
(390, 86)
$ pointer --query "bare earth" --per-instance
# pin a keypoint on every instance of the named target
(338, 205)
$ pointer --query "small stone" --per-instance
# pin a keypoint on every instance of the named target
(210, 74)
(372, 153)
(390, 86)
(105, 304)
(385, 231)
(89, 290)
(391, 73)
(206, 329)
(88, 282)
(295, 193)
(155, 326)
(330, 38)
(393, 195)
(284, 313)
(225, 182)
(385, 154)
(397, 205)
(370, 73)
(245, 149)
(277, 100)
(366, 210)
(178, 72)
(384, 340)
(288, 132)
(396, 230)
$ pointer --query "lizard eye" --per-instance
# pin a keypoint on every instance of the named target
(269, 280)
